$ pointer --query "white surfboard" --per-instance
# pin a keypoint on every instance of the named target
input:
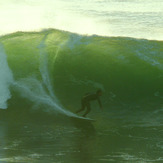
(82, 118)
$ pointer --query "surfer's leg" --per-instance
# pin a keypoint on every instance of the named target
(82, 107)
(88, 110)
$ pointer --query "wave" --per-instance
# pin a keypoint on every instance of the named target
(56, 68)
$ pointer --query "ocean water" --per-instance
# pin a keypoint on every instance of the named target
(44, 74)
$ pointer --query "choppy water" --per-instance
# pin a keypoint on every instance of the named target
(49, 141)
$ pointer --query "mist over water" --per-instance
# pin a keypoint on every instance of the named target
(137, 18)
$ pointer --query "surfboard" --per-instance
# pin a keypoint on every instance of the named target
(82, 118)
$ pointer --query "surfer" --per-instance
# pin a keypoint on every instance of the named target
(85, 102)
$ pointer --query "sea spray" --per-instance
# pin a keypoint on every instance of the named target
(44, 67)
(6, 79)
(41, 93)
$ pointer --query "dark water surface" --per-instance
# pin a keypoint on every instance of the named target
(111, 140)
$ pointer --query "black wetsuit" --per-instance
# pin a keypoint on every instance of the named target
(85, 102)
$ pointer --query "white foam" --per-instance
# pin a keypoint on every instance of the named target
(6, 79)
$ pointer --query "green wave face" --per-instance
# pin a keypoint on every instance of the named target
(71, 65)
